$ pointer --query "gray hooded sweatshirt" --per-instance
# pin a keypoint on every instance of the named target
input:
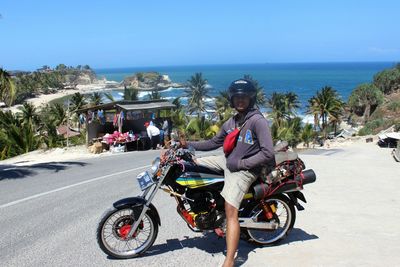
(254, 148)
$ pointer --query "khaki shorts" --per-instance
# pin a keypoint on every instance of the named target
(236, 184)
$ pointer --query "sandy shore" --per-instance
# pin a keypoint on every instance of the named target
(83, 89)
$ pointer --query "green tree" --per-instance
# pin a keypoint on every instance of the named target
(307, 134)
(314, 110)
(201, 127)
(61, 67)
(261, 98)
(288, 130)
(57, 114)
(131, 93)
(29, 114)
(179, 119)
(109, 97)
(223, 107)
(196, 92)
(17, 137)
(177, 103)
(364, 97)
(7, 87)
(388, 80)
(95, 99)
(328, 105)
(77, 101)
(154, 95)
(283, 106)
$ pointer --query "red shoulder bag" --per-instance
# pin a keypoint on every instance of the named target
(231, 140)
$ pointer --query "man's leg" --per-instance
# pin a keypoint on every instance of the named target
(236, 186)
(232, 234)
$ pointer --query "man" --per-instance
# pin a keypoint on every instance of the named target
(154, 134)
(253, 151)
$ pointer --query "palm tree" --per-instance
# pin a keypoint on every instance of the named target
(95, 99)
(289, 130)
(130, 93)
(277, 104)
(328, 105)
(154, 95)
(109, 97)
(283, 106)
(179, 119)
(58, 114)
(307, 134)
(291, 103)
(202, 127)
(16, 136)
(177, 103)
(313, 109)
(223, 107)
(29, 114)
(261, 98)
(7, 87)
(196, 92)
(77, 101)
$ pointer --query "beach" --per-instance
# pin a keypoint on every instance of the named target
(43, 99)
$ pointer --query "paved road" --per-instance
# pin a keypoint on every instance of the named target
(49, 214)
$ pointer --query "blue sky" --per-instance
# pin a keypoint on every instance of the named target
(163, 33)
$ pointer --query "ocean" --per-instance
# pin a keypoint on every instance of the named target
(304, 79)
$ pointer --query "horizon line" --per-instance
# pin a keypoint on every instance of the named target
(215, 64)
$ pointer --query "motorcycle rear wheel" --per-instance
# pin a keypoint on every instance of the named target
(285, 216)
(112, 233)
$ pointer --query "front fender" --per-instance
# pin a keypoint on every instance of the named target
(137, 202)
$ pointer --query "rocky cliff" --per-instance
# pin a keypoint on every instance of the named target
(149, 81)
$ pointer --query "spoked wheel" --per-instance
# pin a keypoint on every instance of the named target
(284, 215)
(113, 229)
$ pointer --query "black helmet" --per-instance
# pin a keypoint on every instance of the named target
(242, 87)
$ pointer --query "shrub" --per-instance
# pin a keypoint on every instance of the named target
(371, 126)
(394, 106)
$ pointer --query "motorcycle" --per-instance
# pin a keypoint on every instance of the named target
(266, 215)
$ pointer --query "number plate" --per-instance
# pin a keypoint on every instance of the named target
(144, 180)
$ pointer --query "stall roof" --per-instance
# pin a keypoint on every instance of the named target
(393, 135)
(144, 106)
(131, 105)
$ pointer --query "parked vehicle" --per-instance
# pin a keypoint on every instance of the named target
(267, 212)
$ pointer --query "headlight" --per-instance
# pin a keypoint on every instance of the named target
(154, 165)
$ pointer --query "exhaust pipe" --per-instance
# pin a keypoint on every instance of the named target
(307, 177)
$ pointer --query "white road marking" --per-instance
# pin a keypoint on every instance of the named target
(69, 186)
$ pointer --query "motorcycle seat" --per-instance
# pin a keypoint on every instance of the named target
(191, 167)
(204, 169)
(282, 146)
(285, 156)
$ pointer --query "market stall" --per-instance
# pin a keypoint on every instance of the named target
(119, 126)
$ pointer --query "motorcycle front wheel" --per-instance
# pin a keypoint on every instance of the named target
(114, 227)
(284, 215)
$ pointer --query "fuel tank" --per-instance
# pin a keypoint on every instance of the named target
(195, 176)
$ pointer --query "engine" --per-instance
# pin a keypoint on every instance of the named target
(205, 206)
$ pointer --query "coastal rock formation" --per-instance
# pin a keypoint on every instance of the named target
(149, 81)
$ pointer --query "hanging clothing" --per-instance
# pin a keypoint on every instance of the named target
(120, 121)
(115, 120)
(82, 119)
(90, 116)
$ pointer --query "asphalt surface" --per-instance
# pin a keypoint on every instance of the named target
(49, 215)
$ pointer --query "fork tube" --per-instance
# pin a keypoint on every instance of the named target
(146, 206)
